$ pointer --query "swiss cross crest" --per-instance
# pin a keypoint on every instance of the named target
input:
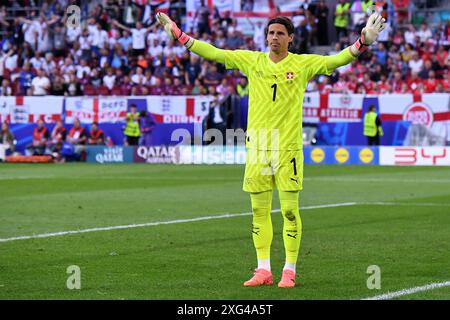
(289, 75)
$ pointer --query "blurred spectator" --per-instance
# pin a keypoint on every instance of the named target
(424, 33)
(410, 35)
(416, 63)
(94, 78)
(225, 19)
(30, 30)
(242, 88)
(301, 36)
(96, 135)
(217, 119)
(321, 13)
(413, 82)
(57, 139)
(125, 85)
(224, 89)
(138, 35)
(83, 70)
(72, 87)
(234, 40)
(138, 78)
(10, 63)
(7, 138)
(380, 53)
(126, 40)
(193, 69)
(40, 138)
(57, 88)
(77, 138)
(109, 79)
(430, 85)
(202, 18)
(358, 14)
(85, 42)
(58, 39)
(373, 129)
(341, 20)
(3, 56)
(397, 83)
(213, 77)
(40, 85)
(25, 78)
(259, 36)
(147, 125)
(37, 62)
(5, 89)
(247, 5)
(49, 65)
(426, 68)
(132, 131)
(155, 49)
(3, 15)
(197, 87)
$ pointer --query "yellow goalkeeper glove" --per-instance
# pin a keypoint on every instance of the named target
(375, 24)
(173, 30)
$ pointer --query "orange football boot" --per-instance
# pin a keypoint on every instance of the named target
(260, 277)
(287, 279)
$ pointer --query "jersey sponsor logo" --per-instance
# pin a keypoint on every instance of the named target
(419, 113)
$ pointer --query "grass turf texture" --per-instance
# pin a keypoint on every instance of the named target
(409, 239)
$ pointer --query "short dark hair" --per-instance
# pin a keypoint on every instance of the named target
(372, 107)
(285, 21)
(133, 105)
(96, 123)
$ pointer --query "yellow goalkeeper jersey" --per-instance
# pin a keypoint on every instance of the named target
(276, 95)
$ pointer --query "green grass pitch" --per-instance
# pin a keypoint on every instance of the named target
(398, 219)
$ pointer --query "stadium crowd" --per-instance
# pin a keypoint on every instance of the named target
(128, 54)
(118, 49)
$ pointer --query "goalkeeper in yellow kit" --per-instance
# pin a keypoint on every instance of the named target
(277, 82)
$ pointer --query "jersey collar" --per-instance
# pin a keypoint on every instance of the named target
(279, 62)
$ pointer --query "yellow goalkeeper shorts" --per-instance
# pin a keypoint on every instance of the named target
(265, 169)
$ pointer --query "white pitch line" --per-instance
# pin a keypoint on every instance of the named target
(404, 292)
(410, 204)
(380, 180)
(157, 223)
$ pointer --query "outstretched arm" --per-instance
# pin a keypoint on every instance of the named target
(121, 26)
(201, 48)
(369, 34)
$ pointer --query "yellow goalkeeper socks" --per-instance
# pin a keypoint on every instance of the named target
(292, 226)
(262, 227)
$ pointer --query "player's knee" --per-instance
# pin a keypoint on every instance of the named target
(259, 211)
(289, 214)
